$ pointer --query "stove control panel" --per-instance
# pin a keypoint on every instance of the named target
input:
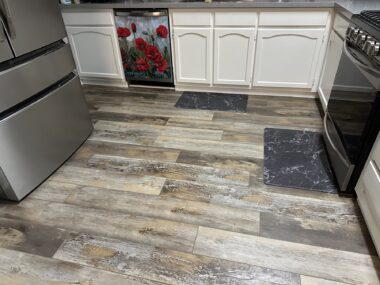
(368, 44)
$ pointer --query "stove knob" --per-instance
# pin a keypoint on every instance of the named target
(354, 33)
(376, 50)
(360, 39)
(351, 31)
(369, 46)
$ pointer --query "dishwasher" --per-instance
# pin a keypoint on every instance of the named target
(144, 41)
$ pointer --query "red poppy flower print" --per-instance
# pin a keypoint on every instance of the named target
(133, 27)
(162, 31)
(153, 53)
(125, 65)
(141, 44)
(141, 65)
(123, 32)
(161, 65)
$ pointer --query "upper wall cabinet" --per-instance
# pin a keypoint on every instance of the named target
(233, 55)
(287, 57)
(192, 52)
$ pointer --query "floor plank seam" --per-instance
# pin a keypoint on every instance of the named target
(195, 240)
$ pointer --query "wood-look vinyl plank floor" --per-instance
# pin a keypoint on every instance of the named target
(165, 265)
(19, 268)
(287, 256)
(163, 195)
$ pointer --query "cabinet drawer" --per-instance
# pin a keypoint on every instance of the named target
(235, 19)
(315, 18)
(41, 136)
(371, 180)
(192, 18)
(88, 18)
(47, 74)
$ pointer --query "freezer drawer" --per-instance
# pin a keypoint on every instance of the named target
(27, 79)
(39, 138)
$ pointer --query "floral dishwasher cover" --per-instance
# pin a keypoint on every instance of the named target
(145, 45)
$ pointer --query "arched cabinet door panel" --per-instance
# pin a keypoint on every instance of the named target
(287, 57)
(233, 55)
(95, 51)
(192, 52)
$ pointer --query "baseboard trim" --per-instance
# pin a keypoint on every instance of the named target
(256, 91)
(277, 92)
(104, 82)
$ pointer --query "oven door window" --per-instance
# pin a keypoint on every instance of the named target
(352, 98)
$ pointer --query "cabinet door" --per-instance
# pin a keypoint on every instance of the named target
(233, 54)
(96, 51)
(287, 57)
(192, 53)
(334, 52)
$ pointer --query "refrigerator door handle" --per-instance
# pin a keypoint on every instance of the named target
(3, 36)
(8, 22)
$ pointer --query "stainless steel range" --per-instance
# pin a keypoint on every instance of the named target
(352, 119)
(43, 115)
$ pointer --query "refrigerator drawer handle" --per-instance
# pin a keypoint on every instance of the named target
(7, 22)
(331, 142)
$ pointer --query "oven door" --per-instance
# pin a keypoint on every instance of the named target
(351, 106)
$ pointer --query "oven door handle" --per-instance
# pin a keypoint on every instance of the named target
(357, 62)
(331, 142)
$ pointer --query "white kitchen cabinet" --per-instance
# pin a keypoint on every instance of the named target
(96, 51)
(94, 43)
(368, 192)
(287, 57)
(233, 55)
(192, 51)
(334, 52)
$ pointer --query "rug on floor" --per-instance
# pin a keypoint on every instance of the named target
(297, 159)
(213, 101)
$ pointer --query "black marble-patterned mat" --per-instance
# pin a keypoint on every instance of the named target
(297, 159)
(213, 101)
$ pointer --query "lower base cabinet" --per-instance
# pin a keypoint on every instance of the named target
(193, 50)
(100, 62)
(368, 192)
(233, 55)
(287, 57)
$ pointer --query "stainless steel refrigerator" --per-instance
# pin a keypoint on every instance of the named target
(43, 114)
